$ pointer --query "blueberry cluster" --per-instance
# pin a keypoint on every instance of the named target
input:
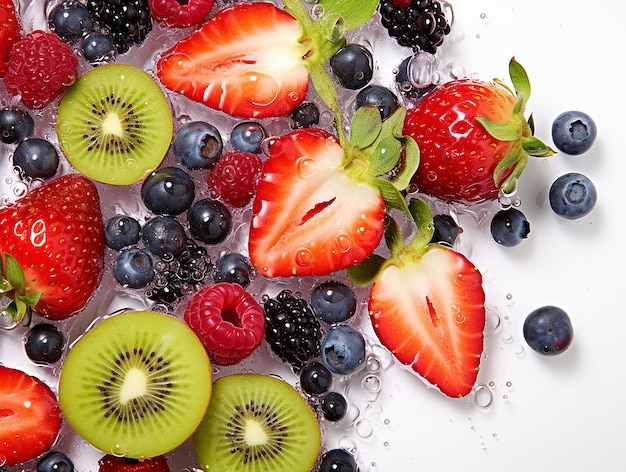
(102, 28)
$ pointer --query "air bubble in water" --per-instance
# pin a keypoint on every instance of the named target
(348, 444)
(483, 396)
(372, 364)
(364, 428)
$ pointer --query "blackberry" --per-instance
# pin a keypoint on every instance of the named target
(128, 22)
(180, 275)
(291, 329)
(418, 24)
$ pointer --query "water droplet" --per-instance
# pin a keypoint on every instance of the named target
(343, 242)
(372, 364)
(520, 351)
(317, 11)
(259, 89)
(304, 257)
(184, 65)
(483, 396)
(119, 450)
(306, 166)
(508, 384)
(20, 189)
(507, 338)
(483, 16)
(334, 26)
(364, 428)
(371, 383)
(493, 320)
(347, 443)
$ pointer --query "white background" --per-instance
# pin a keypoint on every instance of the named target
(547, 413)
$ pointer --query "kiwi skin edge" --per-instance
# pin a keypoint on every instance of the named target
(257, 423)
(136, 384)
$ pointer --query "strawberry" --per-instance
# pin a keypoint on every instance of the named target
(319, 204)
(427, 306)
(473, 137)
(9, 33)
(228, 321)
(178, 13)
(111, 463)
(254, 60)
(52, 243)
(40, 68)
(30, 416)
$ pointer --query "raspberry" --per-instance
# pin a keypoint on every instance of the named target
(40, 67)
(111, 463)
(177, 14)
(233, 178)
(292, 329)
(228, 321)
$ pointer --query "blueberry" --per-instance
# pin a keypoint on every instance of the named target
(573, 132)
(234, 268)
(333, 302)
(36, 158)
(209, 221)
(305, 115)
(55, 461)
(197, 145)
(44, 343)
(343, 349)
(133, 268)
(315, 378)
(70, 20)
(509, 227)
(168, 191)
(446, 230)
(572, 196)
(548, 330)
(338, 460)
(378, 96)
(352, 65)
(98, 48)
(334, 406)
(247, 137)
(15, 125)
(121, 231)
(164, 236)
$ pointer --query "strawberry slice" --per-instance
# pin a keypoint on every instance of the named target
(246, 61)
(310, 216)
(30, 416)
(52, 245)
(427, 307)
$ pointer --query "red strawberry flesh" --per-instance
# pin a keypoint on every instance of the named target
(245, 61)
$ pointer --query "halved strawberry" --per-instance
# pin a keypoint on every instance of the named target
(52, 246)
(320, 205)
(246, 61)
(10, 33)
(427, 307)
(30, 416)
(473, 137)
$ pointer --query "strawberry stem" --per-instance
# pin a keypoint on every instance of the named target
(12, 286)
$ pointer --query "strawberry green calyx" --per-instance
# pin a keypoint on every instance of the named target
(518, 131)
(366, 272)
(12, 286)
(379, 153)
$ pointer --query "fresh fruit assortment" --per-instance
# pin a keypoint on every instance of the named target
(225, 186)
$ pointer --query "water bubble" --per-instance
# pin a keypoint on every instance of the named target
(371, 383)
(334, 26)
(348, 444)
(483, 16)
(119, 450)
(184, 65)
(364, 428)
(508, 384)
(493, 319)
(372, 364)
(343, 242)
(421, 69)
(259, 89)
(483, 396)
(317, 11)
(507, 338)
(306, 166)
(304, 257)
(520, 351)
(20, 189)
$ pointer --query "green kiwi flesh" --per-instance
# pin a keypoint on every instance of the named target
(136, 385)
(114, 124)
(257, 423)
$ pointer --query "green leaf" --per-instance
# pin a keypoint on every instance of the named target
(386, 155)
(355, 13)
(402, 179)
(535, 147)
(423, 217)
(365, 127)
(521, 83)
(392, 196)
(393, 236)
(506, 131)
(14, 274)
(394, 124)
(365, 273)
(31, 299)
(515, 155)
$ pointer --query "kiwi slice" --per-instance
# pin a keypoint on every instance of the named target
(136, 385)
(114, 124)
(257, 423)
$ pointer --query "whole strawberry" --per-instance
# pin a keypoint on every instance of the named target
(9, 33)
(111, 463)
(52, 248)
(40, 68)
(473, 137)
